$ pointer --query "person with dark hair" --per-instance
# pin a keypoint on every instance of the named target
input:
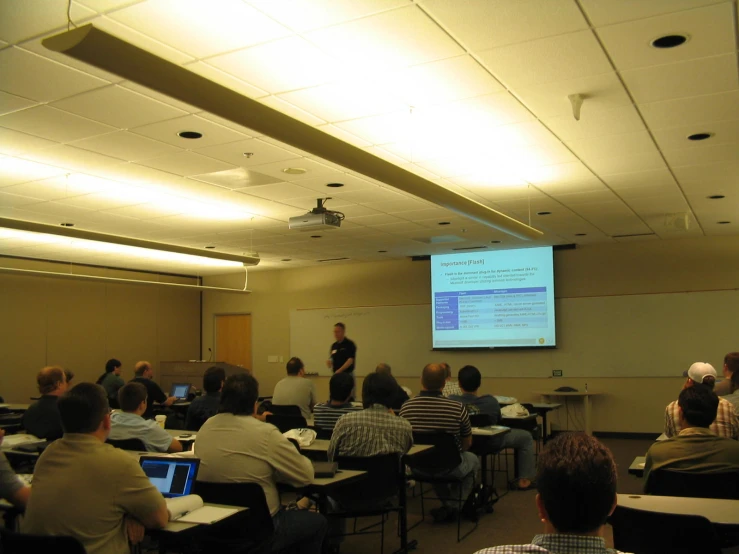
(577, 482)
(128, 423)
(401, 393)
(696, 448)
(430, 412)
(520, 440)
(206, 405)
(343, 352)
(119, 500)
(295, 389)
(734, 396)
(154, 393)
(726, 422)
(42, 417)
(235, 446)
(451, 387)
(340, 389)
(111, 380)
(728, 388)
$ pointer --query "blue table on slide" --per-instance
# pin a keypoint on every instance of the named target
(508, 308)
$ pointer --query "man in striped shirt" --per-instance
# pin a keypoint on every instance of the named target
(326, 414)
(726, 423)
(430, 412)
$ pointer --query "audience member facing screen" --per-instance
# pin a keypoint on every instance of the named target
(42, 417)
(155, 395)
(576, 480)
(206, 405)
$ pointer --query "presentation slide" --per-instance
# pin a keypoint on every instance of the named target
(500, 299)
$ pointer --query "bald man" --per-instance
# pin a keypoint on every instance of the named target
(42, 417)
(154, 393)
(430, 412)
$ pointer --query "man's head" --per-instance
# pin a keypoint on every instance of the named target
(383, 368)
(701, 373)
(132, 398)
(113, 365)
(339, 332)
(84, 409)
(731, 364)
(52, 381)
(576, 481)
(433, 378)
(698, 406)
(239, 395)
(295, 366)
(379, 388)
(213, 379)
(340, 387)
(143, 369)
(469, 378)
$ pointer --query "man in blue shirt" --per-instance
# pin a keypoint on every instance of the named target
(518, 439)
(206, 406)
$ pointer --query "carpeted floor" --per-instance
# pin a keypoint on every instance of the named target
(514, 521)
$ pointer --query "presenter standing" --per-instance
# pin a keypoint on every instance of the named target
(343, 352)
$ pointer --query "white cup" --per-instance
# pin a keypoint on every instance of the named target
(161, 419)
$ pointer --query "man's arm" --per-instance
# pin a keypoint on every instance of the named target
(291, 467)
(175, 446)
(348, 363)
(465, 429)
(157, 518)
(19, 498)
(137, 497)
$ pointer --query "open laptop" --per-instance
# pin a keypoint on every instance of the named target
(172, 477)
(181, 391)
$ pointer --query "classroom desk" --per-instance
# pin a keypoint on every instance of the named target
(542, 409)
(637, 466)
(506, 400)
(720, 512)
(15, 407)
(585, 399)
(321, 445)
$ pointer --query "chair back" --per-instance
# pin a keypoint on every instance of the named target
(383, 479)
(285, 422)
(672, 482)
(128, 444)
(656, 533)
(481, 420)
(323, 433)
(284, 409)
(445, 455)
(18, 543)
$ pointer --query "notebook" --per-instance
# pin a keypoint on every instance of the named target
(172, 477)
(190, 509)
(325, 469)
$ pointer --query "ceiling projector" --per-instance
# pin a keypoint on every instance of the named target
(318, 219)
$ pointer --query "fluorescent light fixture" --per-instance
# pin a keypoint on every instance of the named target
(68, 240)
(100, 49)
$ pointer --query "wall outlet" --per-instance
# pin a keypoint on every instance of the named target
(556, 373)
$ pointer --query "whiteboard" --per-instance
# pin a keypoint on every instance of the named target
(649, 335)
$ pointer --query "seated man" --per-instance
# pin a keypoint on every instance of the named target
(128, 423)
(12, 488)
(696, 448)
(234, 446)
(111, 380)
(154, 393)
(450, 385)
(731, 366)
(295, 389)
(87, 489)
(726, 423)
(401, 393)
(731, 372)
(340, 388)
(42, 417)
(577, 492)
(206, 405)
(518, 439)
(430, 412)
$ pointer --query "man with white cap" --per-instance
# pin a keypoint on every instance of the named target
(726, 423)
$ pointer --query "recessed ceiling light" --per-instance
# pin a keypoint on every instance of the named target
(716, 197)
(580, 234)
(190, 135)
(382, 251)
(67, 224)
(210, 247)
(723, 222)
(496, 241)
(444, 223)
(294, 170)
(543, 213)
(700, 136)
(669, 41)
(315, 236)
(286, 260)
(335, 185)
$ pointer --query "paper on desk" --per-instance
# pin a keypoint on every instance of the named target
(12, 441)
(207, 514)
(177, 507)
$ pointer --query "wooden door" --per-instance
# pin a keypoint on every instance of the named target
(233, 340)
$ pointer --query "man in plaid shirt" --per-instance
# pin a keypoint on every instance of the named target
(577, 493)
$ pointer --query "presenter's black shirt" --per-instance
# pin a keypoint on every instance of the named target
(341, 352)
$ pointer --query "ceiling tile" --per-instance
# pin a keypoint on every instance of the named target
(102, 6)
(301, 65)
(29, 18)
(606, 12)
(185, 163)
(710, 29)
(706, 154)
(318, 183)
(52, 124)
(471, 21)
(657, 178)
(13, 200)
(718, 178)
(681, 79)
(261, 153)
(167, 131)
(11, 103)
(612, 146)
(17, 170)
(60, 186)
(37, 78)
(596, 198)
(238, 178)
(74, 159)
(676, 137)
(570, 56)
(201, 29)
(572, 172)
(627, 164)
(280, 192)
(612, 122)
(390, 40)
(380, 129)
(125, 146)
(296, 112)
(14, 142)
(118, 107)
(695, 110)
